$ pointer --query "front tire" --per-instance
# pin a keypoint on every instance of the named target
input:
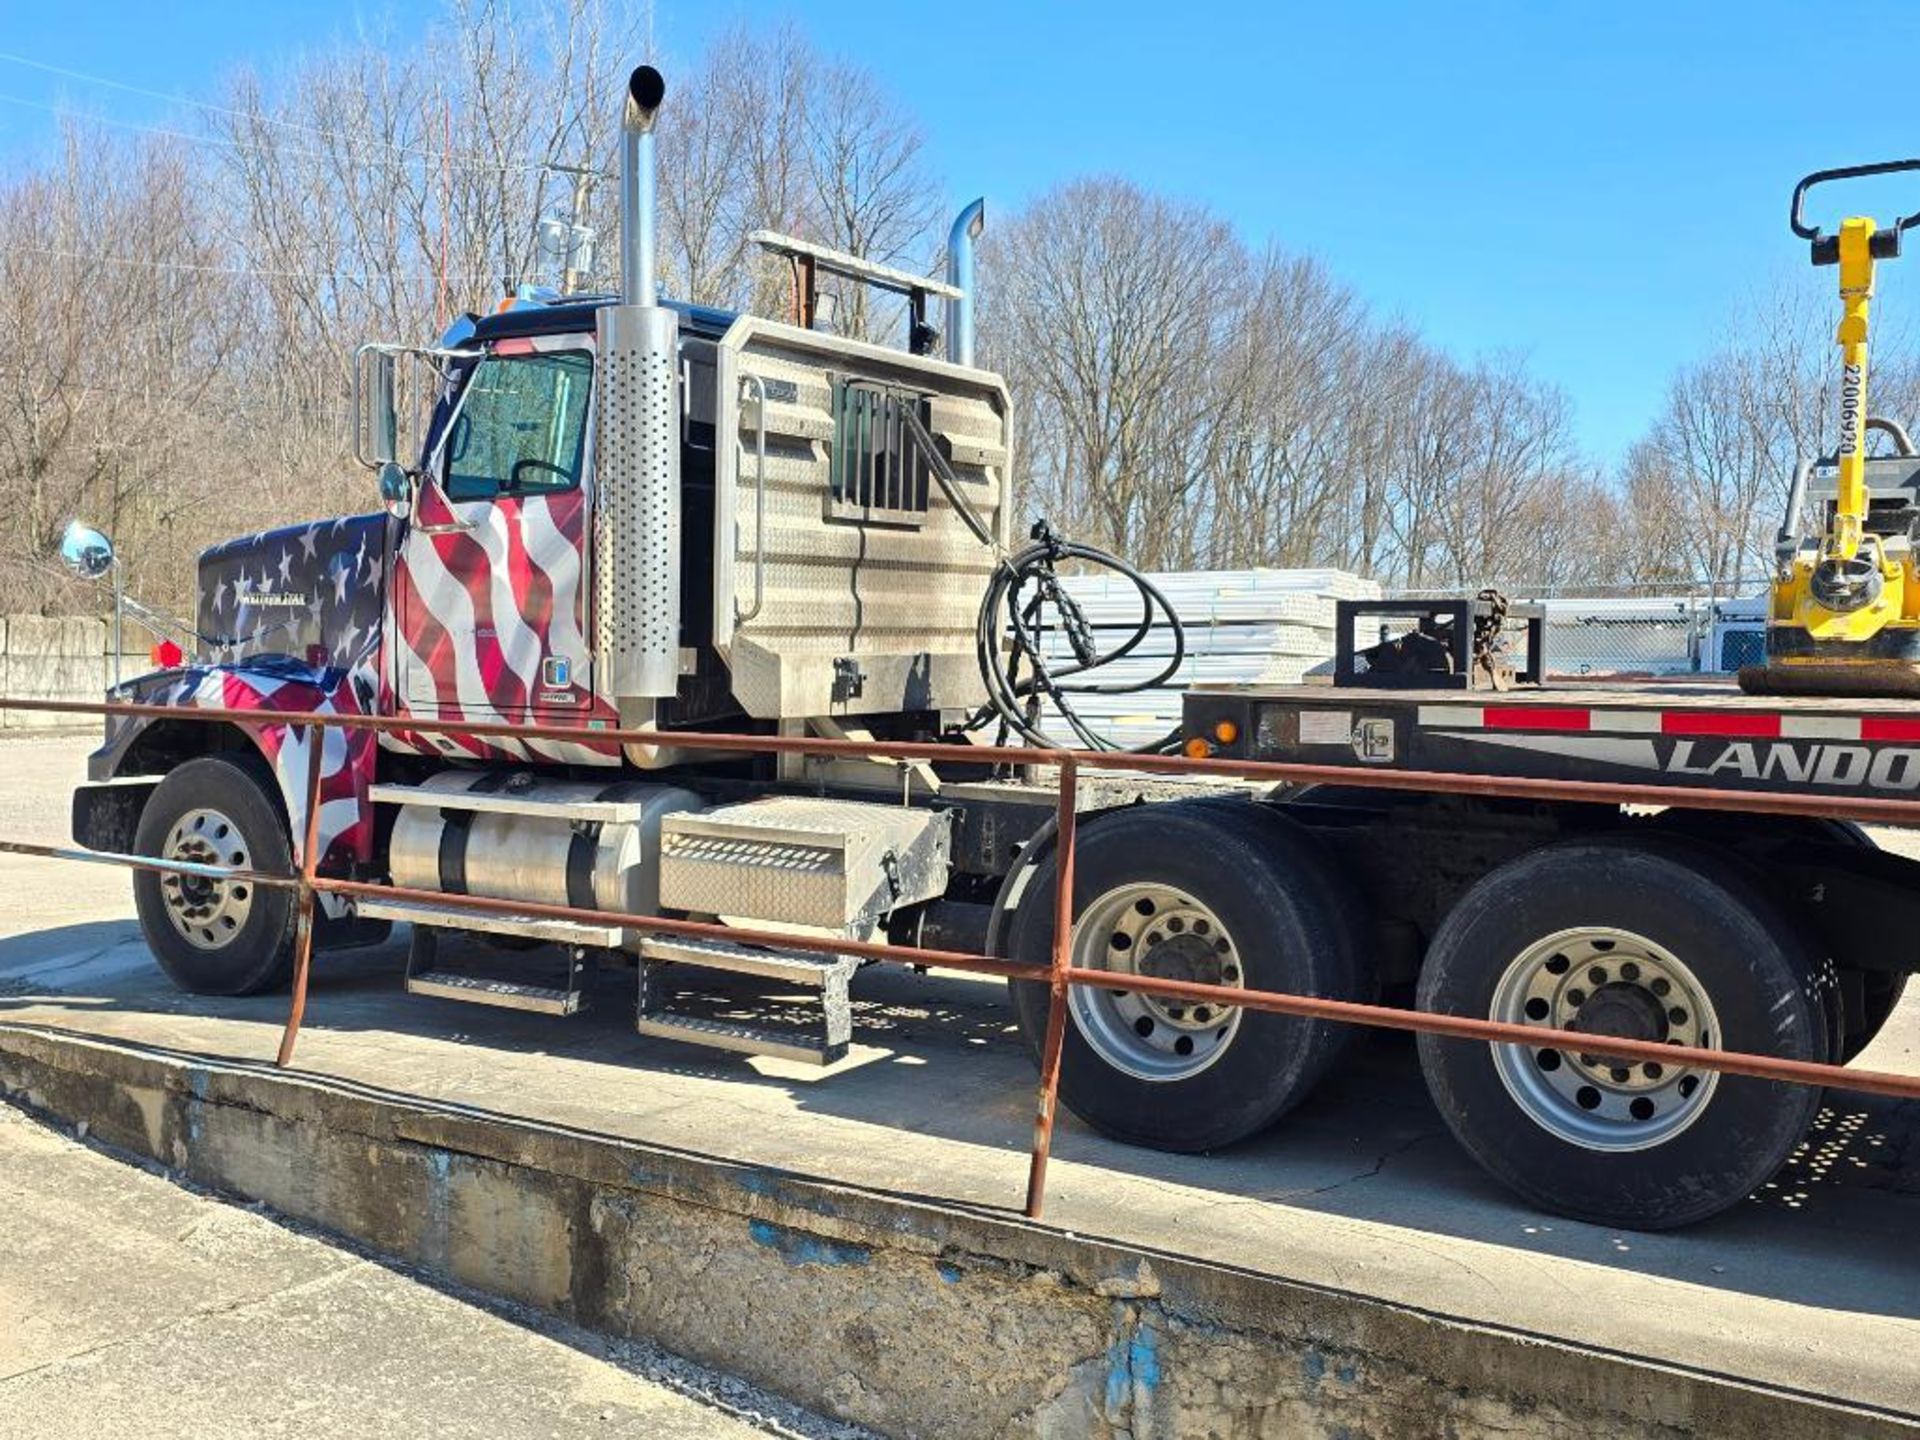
(1654, 940)
(1225, 894)
(215, 937)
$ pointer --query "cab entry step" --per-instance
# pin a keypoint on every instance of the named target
(507, 984)
(822, 1040)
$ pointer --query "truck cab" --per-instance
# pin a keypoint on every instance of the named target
(615, 513)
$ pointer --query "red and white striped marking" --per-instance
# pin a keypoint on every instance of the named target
(1728, 724)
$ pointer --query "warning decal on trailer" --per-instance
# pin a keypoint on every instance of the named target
(1326, 727)
(1838, 751)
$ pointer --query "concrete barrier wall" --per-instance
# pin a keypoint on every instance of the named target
(58, 658)
(916, 1319)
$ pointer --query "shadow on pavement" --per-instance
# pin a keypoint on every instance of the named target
(939, 1056)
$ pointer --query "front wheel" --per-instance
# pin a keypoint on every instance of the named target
(1216, 894)
(1657, 941)
(217, 937)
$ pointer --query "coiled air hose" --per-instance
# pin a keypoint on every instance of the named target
(1024, 585)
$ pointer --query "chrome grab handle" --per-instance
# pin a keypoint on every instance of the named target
(759, 500)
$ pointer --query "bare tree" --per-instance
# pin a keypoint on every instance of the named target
(870, 194)
(114, 356)
(1515, 455)
(1286, 486)
(1108, 306)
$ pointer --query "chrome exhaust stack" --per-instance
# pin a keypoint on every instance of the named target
(639, 285)
(967, 226)
(637, 444)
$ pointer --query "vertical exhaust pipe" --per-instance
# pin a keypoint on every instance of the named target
(967, 226)
(637, 440)
(646, 88)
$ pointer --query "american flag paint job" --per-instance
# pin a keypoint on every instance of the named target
(280, 684)
(484, 594)
(312, 592)
(291, 620)
(368, 615)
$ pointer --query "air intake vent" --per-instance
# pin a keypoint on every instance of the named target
(880, 473)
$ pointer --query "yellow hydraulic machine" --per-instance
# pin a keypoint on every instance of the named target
(1844, 618)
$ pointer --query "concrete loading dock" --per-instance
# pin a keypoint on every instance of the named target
(1349, 1269)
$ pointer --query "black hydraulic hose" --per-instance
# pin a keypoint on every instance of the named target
(1011, 699)
(1023, 586)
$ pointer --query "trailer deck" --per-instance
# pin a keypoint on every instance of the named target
(1698, 734)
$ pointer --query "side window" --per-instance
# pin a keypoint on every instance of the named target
(521, 427)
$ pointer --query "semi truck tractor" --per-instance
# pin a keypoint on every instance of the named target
(618, 513)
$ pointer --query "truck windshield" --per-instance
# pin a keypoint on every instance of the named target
(521, 428)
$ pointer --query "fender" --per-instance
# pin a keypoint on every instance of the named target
(273, 685)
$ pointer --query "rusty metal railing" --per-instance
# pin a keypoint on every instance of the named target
(1059, 974)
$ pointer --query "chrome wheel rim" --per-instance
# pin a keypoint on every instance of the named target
(1157, 931)
(1610, 982)
(207, 913)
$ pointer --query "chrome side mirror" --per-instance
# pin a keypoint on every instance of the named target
(396, 490)
(85, 551)
(376, 419)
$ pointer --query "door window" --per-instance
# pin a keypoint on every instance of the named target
(521, 428)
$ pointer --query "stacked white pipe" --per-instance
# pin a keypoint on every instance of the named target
(1244, 627)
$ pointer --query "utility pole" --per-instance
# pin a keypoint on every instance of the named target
(568, 243)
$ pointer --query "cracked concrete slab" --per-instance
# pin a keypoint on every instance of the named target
(128, 1303)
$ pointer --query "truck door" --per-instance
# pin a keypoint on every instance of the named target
(489, 592)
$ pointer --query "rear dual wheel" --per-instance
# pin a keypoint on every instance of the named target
(1859, 1001)
(1650, 940)
(1226, 894)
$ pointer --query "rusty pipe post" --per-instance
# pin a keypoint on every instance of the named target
(303, 924)
(1057, 983)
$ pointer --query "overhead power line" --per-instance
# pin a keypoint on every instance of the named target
(278, 152)
(260, 117)
(371, 277)
(189, 136)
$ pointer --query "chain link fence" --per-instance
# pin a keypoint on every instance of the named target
(1621, 631)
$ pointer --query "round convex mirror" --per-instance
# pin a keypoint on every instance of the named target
(396, 490)
(85, 551)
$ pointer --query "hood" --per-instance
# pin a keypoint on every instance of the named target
(314, 592)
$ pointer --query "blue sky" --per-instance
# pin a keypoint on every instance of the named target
(1597, 186)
